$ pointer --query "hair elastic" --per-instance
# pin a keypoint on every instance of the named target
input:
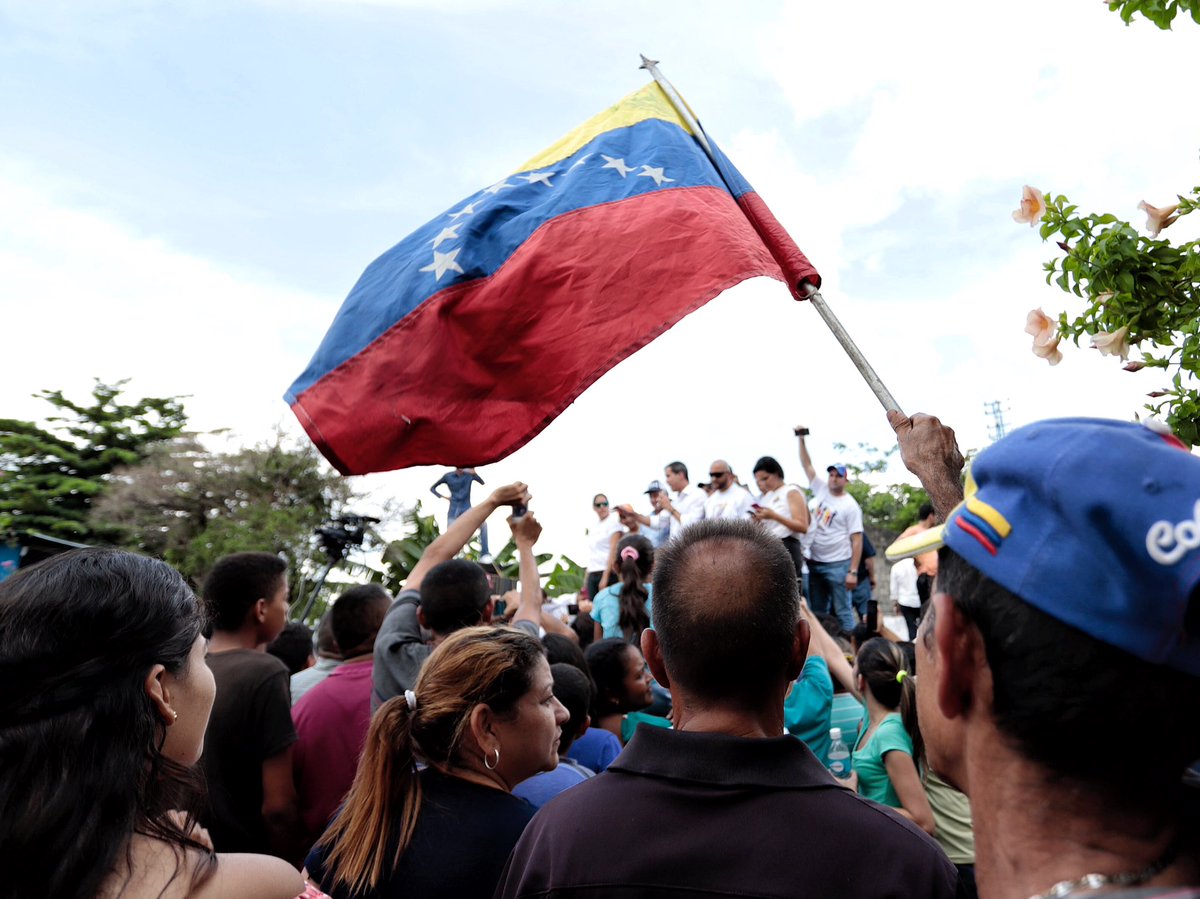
(901, 675)
(630, 552)
(411, 698)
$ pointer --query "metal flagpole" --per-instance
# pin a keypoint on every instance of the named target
(810, 290)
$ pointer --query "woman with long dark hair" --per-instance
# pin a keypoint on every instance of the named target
(482, 718)
(104, 699)
(889, 751)
(623, 610)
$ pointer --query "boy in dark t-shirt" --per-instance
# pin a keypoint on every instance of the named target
(247, 757)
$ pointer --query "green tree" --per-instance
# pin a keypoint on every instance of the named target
(1160, 12)
(190, 506)
(51, 475)
(401, 556)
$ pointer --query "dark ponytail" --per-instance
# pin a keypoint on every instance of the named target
(635, 559)
(884, 667)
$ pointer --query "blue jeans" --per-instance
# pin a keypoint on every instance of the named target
(827, 581)
(860, 596)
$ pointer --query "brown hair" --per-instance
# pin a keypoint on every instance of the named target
(489, 665)
(880, 662)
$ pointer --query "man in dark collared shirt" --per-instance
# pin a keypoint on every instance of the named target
(726, 804)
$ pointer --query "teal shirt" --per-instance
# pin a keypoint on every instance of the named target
(873, 780)
(606, 608)
(848, 714)
(807, 708)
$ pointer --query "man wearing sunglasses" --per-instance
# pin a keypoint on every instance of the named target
(729, 499)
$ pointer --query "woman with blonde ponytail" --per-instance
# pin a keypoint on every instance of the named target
(481, 718)
(889, 751)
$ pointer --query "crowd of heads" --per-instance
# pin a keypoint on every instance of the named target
(102, 648)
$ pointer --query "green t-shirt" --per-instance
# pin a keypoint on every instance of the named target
(630, 722)
(873, 780)
(952, 815)
(807, 707)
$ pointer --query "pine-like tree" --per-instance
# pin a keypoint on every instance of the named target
(51, 474)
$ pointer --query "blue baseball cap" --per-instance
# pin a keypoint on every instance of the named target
(1095, 522)
(840, 469)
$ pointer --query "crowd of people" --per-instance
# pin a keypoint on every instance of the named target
(676, 739)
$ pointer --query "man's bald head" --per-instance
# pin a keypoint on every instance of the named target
(725, 611)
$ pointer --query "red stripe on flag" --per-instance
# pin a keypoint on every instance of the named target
(476, 371)
(794, 263)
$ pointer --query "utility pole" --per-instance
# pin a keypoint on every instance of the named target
(997, 428)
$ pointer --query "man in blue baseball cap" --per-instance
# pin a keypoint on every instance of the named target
(1059, 663)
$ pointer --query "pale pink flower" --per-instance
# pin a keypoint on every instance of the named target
(1114, 344)
(1041, 326)
(1104, 297)
(1048, 351)
(1033, 206)
(1134, 366)
(1157, 219)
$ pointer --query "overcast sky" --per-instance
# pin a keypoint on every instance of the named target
(188, 191)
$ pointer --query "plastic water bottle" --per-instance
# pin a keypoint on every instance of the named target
(839, 755)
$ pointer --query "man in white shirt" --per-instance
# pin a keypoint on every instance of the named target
(654, 526)
(836, 549)
(684, 507)
(904, 592)
(729, 499)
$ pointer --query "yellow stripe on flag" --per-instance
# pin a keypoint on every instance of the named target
(647, 103)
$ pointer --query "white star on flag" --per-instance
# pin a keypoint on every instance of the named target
(543, 177)
(498, 186)
(450, 233)
(469, 209)
(580, 161)
(656, 174)
(618, 164)
(444, 262)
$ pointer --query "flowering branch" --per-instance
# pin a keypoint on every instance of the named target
(1139, 292)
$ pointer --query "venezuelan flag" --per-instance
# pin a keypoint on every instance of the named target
(462, 342)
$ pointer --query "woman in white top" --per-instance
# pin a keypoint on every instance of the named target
(600, 545)
(781, 508)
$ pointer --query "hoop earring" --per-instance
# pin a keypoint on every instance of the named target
(493, 765)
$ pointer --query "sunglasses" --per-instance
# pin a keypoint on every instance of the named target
(718, 474)
(599, 505)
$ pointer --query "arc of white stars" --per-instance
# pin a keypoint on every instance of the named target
(616, 164)
(498, 186)
(450, 233)
(543, 177)
(444, 262)
(655, 173)
(469, 209)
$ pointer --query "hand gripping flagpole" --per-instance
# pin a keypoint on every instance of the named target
(807, 287)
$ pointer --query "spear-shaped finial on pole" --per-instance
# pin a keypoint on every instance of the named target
(807, 287)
